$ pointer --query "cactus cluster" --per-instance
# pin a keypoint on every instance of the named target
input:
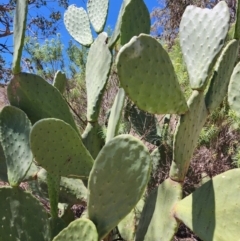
(41, 144)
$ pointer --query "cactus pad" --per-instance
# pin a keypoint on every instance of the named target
(147, 75)
(135, 20)
(78, 25)
(20, 19)
(22, 216)
(80, 229)
(123, 160)
(157, 221)
(187, 134)
(212, 211)
(57, 148)
(115, 115)
(60, 81)
(14, 135)
(221, 76)
(98, 66)
(202, 35)
(3, 166)
(233, 90)
(38, 99)
(97, 12)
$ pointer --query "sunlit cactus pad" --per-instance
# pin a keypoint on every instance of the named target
(221, 75)
(147, 75)
(97, 70)
(97, 12)
(22, 216)
(77, 23)
(123, 160)
(213, 210)
(14, 136)
(202, 35)
(157, 221)
(234, 90)
(81, 229)
(58, 148)
(60, 81)
(38, 99)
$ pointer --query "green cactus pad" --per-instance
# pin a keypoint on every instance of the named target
(145, 125)
(157, 221)
(57, 148)
(78, 25)
(14, 134)
(221, 76)
(98, 66)
(72, 191)
(115, 115)
(237, 24)
(60, 81)
(127, 227)
(116, 32)
(57, 225)
(187, 134)
(38, 99)
(22, 217)
(20, 19)
(123, 160)
(92, 139)
(135, 20)
(212, 211)
(3, 166)
(202, 34)
(147, 75)
(233, 90)
(81, 229)
(97, 12)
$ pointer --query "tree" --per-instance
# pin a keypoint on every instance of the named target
(168, 15)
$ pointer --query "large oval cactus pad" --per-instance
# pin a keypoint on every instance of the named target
(234, 90)
(123, 160)
(221, 76)
(38, 99)
(157, 221)
(202, 34)
(20, 19)
(78, 25)
(213, 210)
(57, 147)
(97, 12)
(81, 229)
(98, 66)
(22, 217)
(14, 136)
(187, 134)
(147, 75)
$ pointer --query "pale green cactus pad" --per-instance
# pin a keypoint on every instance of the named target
(22, 216)
(38, 99)
(97, 12)
(202, 35)
(234, 90)
(115, 115)
(212, 211)
(187, 134)
(221, 75)
(98, 66)
(60, 81)
(57, 147)
(123, 160)
(78, 25)
(81, 229)
(147, 75)
(14, 136)
(135, 20)
(20, 19)
(157, 221)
